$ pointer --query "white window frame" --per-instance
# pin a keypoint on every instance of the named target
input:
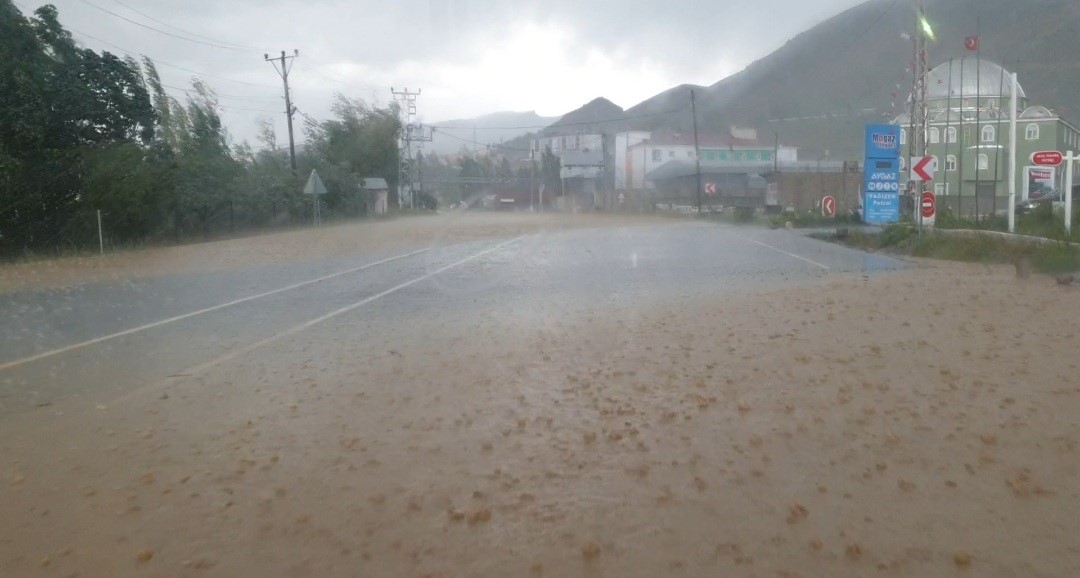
(903, 136)
(989, 134)
(1031, 132)
(950, 135)
(657, 155)
(941, 189)
(983, 162)
(935, 135)
(950, 164)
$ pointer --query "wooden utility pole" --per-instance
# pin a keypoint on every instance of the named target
(283, 71)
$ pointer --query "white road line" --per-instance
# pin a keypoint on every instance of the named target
(337, 312)
(65, 349)
(815, 263)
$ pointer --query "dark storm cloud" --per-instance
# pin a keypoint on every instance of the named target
(363, 47)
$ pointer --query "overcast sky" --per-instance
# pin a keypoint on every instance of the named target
(470, 57)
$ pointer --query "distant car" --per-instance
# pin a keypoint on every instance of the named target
(1043, 197)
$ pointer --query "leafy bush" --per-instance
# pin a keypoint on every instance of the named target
(744, 214)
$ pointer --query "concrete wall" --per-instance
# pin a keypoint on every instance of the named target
(804, 191)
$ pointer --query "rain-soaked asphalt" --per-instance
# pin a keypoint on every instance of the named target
(97, 342)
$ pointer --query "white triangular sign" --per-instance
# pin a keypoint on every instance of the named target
(314, 185)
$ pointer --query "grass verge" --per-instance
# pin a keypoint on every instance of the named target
(1051, 258)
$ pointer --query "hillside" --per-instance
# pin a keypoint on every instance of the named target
(597, 112)
(495, 128)
(820, 88)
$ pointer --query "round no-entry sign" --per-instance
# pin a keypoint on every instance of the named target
(828, 206)
(929, 204)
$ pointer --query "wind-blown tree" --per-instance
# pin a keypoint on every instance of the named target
(359, 141)
(57, 101)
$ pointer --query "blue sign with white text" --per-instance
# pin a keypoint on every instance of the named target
(881, 191)
(881, 179)
(882, 141)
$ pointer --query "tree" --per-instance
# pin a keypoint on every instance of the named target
(551, 171)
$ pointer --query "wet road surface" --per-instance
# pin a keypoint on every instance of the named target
(71, 342)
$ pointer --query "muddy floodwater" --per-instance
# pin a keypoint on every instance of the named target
(918, 423)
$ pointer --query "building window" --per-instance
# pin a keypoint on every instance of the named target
(903, 164)
(941, 189)
(737, 157)
(1032, 132)
(950, 164)
(657, 155)
(935, 135)
(989, 134)
(766, 156)
(723, 156)
(671, 154)
(903, 136)
(950, 134)
(984, 162)
(751, 156)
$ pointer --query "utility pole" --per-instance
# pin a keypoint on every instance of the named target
(407, 111)
(283, 71)
(920, 118)
(697, 152)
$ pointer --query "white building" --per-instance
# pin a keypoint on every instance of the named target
(638, 153)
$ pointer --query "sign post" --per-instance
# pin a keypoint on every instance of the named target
(1070, 158)
(881, 178)
(928, 207)
(922, 169)
(315, 188)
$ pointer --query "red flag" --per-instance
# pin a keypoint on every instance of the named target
(971, 43)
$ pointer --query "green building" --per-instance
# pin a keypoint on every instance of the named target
(969, 127)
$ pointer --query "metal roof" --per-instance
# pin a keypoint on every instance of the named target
(374, 184)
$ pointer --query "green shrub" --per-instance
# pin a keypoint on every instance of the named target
(744, 214)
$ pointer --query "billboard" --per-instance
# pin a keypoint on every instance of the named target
(881, 179)
(1039, 183)
(882, 141)
(881, 191)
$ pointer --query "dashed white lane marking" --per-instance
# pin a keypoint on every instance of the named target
(174, 319)
(799, 257)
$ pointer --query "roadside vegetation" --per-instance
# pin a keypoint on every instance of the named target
(85, 132)
(1055, 257)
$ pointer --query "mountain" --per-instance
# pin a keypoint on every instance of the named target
(820, 88)
(597, 112)
(495, 128)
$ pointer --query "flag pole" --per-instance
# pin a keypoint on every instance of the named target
(948, 125)
(978, 109)
(997, 134)
(960, 181)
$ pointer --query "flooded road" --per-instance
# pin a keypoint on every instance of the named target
(618, 400)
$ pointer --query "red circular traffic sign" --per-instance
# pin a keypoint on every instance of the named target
(929, 204)
(828, 206)
(1047, 158)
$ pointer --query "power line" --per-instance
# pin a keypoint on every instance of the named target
(494, 146)
(167, 25)
(160, 31)
(170, 65)
(559, 125)
(228, 96)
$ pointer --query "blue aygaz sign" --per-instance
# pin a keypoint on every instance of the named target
(881, 180)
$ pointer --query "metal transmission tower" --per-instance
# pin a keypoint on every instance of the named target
(407, 110)
(290, 110)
